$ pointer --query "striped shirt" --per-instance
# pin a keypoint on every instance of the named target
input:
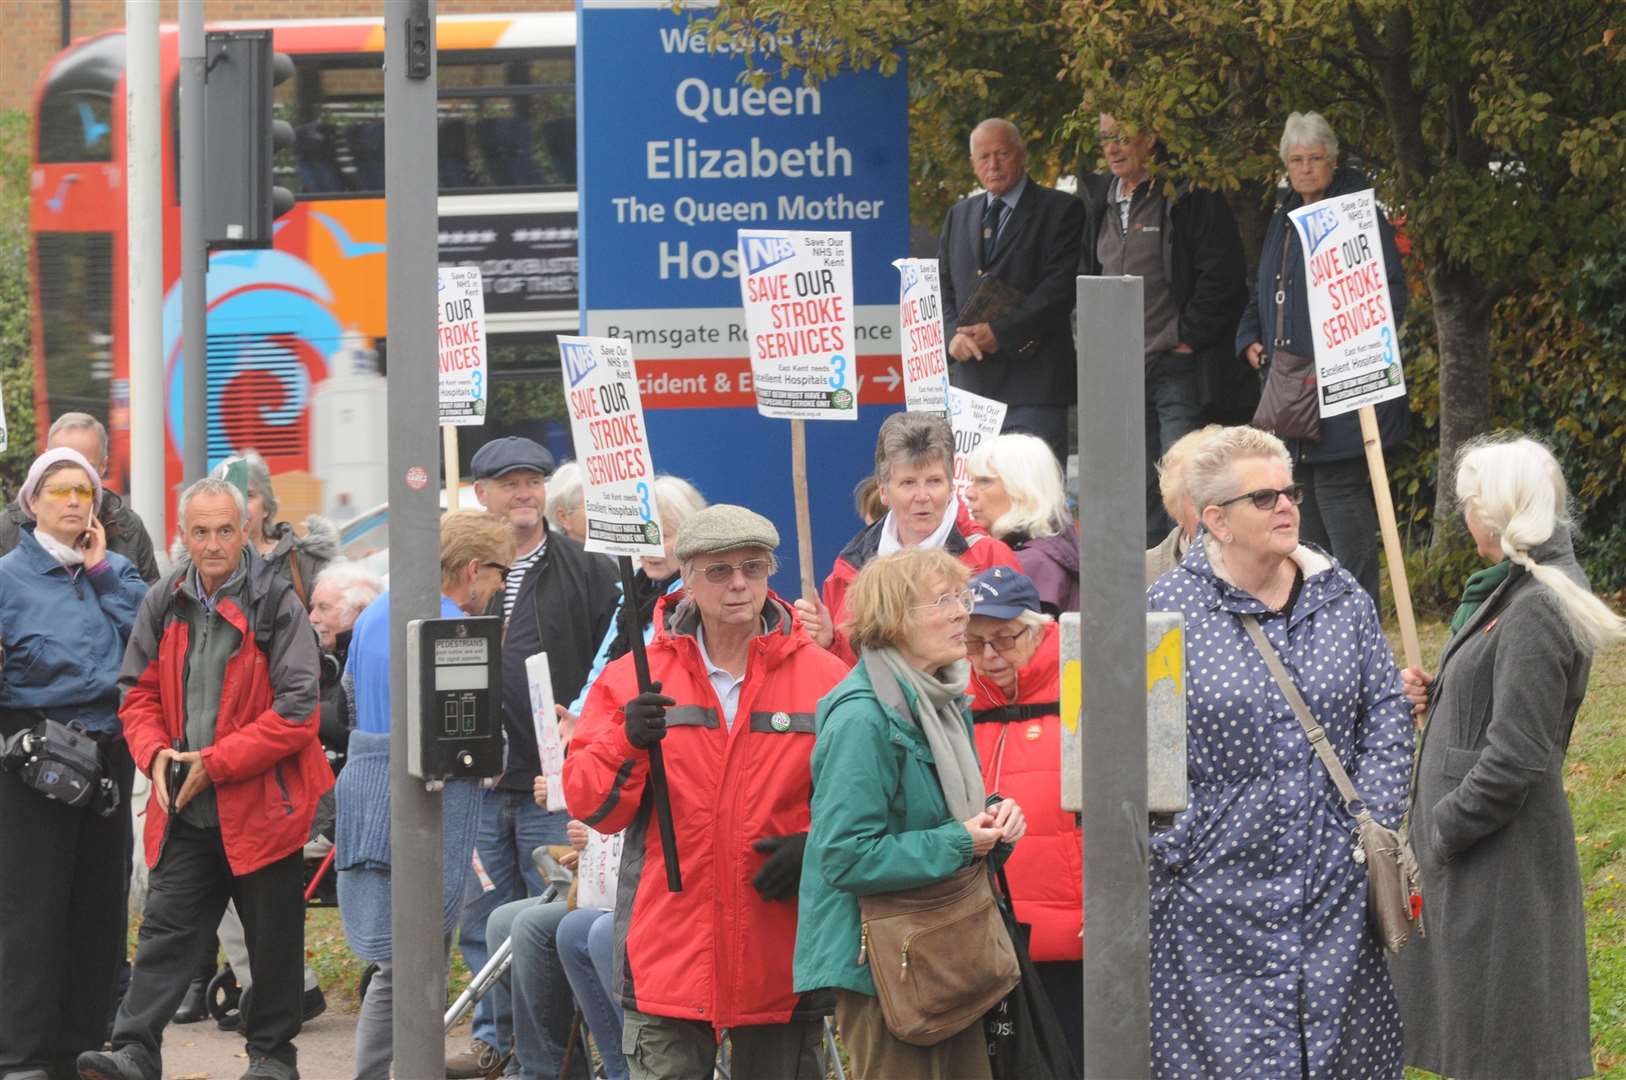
(516, 574)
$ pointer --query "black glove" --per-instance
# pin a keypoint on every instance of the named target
(782, 873)
(646, 717)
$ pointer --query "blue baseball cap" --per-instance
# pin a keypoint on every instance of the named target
(1003, 593)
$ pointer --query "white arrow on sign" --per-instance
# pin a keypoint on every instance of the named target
(891, 379)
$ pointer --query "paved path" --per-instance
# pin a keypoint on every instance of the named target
(203, 1052)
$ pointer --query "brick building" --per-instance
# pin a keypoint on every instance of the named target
(36, 29)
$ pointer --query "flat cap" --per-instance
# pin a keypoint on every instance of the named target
(508, 453)
(722, 527)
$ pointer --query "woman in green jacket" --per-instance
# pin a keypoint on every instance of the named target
(898, 800)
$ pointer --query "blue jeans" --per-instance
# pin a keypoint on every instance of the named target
(511, 826)
(535, 994)
(586, 943)
(1174, 397)
(1339, 514)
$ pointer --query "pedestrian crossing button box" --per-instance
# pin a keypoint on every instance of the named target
(454, 687)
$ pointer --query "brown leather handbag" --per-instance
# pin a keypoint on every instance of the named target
(1289, 404)
(939, 954)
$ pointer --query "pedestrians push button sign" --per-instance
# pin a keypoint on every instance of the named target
(607, 425)
(798, 292)
(463, 381)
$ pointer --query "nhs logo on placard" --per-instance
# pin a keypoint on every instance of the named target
(911, 277)
(578, 361)
(761, 252)
(1318, 225)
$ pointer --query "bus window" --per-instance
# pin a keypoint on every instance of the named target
(75, 121)
(504, 123)
(76, 286)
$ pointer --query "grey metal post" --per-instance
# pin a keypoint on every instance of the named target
(410, 180)
(144, 209)
(1112, 502)
(194, 253)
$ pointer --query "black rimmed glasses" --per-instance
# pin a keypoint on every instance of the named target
(1004, 644)
(1266, 498)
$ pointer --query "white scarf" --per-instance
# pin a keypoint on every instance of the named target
(56, 549)
(889, 530)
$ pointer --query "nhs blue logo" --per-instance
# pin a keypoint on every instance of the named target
(911, 277)
(1318, 225)
(761, 252)
(578, 361)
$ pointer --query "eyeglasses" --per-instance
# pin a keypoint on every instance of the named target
(1266, 498)
(722, 573)
(497, 566)
(1002, 643)
(944, 604)
(62, 491)
(1299, 161)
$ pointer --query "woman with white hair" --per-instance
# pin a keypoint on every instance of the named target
(1497, 986)
(567, 506)
(1338, 513)
(1017, 494)
(1263, 962)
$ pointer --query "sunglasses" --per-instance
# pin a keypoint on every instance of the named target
(1266, 498)
(722, 573)
(497, 566)
(62, 491)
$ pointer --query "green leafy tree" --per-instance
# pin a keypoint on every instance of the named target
(16, 344)
(1493, 131)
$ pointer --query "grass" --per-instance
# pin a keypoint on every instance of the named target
(1595, 777)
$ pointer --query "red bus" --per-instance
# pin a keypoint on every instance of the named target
(309, 312)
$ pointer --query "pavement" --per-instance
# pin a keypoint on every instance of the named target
(202, 1051)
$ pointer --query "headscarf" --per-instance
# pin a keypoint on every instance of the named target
(29, 492)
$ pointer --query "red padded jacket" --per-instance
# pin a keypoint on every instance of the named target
(1021, 759)
(266, 763)
(716, 951)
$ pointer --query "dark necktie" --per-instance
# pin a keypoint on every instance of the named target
(990, 228)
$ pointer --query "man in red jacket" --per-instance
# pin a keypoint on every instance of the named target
(734, 683)
(220, 710)
(914, 471)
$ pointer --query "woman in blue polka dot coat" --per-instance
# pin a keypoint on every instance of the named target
(1262, 961)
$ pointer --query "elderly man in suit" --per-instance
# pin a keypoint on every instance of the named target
(1017, 347)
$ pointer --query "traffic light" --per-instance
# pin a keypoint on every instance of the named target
(240, 138)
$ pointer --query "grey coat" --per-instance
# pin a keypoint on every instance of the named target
(1498, 987)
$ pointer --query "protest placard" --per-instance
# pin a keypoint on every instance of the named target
(1357, 354)
(550, 751)
(975, 419)
(607, 424)
(920, 326)
(797, 289)
(463, 377)
(598, 870)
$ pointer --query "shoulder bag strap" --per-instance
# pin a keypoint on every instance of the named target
(298, 577)
(1312, 730)
(1281, 274)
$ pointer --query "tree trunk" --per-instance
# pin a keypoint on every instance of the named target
(1463, 302)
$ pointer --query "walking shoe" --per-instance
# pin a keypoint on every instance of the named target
(195, 1005)
(26, 1074)
(475, 1063)
(315, 1004)
(265, 1068)
(109, 1065)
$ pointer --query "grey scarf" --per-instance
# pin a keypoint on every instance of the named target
(937, 712)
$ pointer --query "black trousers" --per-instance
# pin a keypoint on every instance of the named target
(63, 887)
(186, 895)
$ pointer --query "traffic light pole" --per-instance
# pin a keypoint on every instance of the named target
(194, 251)
(144, 257)
(410, 190)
